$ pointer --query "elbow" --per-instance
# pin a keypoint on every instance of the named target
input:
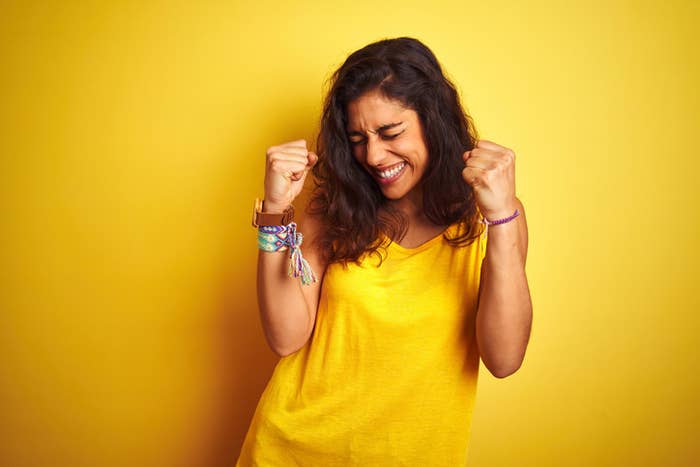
(286, 339)
(282, 350)
(503, 369)
(504, 372)
(285, 352)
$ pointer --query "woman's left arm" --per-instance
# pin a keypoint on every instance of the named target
(504, 311)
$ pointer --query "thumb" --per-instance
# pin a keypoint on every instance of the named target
(311, 161)
(313, 158)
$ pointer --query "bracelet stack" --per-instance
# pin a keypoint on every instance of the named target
(274, 238)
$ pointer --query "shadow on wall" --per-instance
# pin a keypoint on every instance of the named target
(241, 361)
(242, 364)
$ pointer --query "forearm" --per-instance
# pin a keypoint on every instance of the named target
(504, 314)
(284, 313)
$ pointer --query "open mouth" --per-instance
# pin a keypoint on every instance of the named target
(391, 174)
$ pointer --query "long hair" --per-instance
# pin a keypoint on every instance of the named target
(345, 197)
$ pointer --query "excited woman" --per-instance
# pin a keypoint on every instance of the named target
(382, 323)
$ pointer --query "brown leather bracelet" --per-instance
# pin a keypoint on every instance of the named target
(268, 218)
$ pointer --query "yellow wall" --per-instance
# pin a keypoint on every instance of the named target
(131, 149)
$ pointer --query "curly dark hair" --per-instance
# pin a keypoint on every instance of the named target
(346, 198)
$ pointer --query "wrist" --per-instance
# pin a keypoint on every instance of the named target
(271, 215)
(269, 207)
(492, 215)
(500, 217)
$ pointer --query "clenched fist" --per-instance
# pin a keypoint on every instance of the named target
(490, 170)
(285, 172)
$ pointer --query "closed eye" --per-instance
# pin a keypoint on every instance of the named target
(392, 136)
(384, 136)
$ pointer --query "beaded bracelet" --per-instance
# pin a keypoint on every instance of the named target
(500, 221)
(273, 238)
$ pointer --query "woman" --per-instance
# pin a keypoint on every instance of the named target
(400, 295)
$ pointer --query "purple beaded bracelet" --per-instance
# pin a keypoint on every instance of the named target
(501, 221)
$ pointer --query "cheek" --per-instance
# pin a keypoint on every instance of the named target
(412, 148)
(410, 152)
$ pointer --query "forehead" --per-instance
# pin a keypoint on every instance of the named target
(372, 110)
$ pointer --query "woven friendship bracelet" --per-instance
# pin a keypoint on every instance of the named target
(501, 221)
(272, 238)
(282, 238)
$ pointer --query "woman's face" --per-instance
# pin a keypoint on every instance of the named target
(387, 140)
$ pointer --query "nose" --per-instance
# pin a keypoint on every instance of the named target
(375, 151)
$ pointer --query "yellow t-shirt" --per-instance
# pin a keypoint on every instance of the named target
(389, 375)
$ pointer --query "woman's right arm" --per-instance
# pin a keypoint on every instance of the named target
(288, 308)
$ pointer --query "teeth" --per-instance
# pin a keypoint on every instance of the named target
(391, 172)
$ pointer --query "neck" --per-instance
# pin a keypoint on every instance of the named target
(410, 205)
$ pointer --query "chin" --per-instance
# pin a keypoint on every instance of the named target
(394, 195)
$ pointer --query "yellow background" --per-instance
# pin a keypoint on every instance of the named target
(132, 144)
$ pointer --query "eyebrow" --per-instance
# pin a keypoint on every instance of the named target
(381, 128)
